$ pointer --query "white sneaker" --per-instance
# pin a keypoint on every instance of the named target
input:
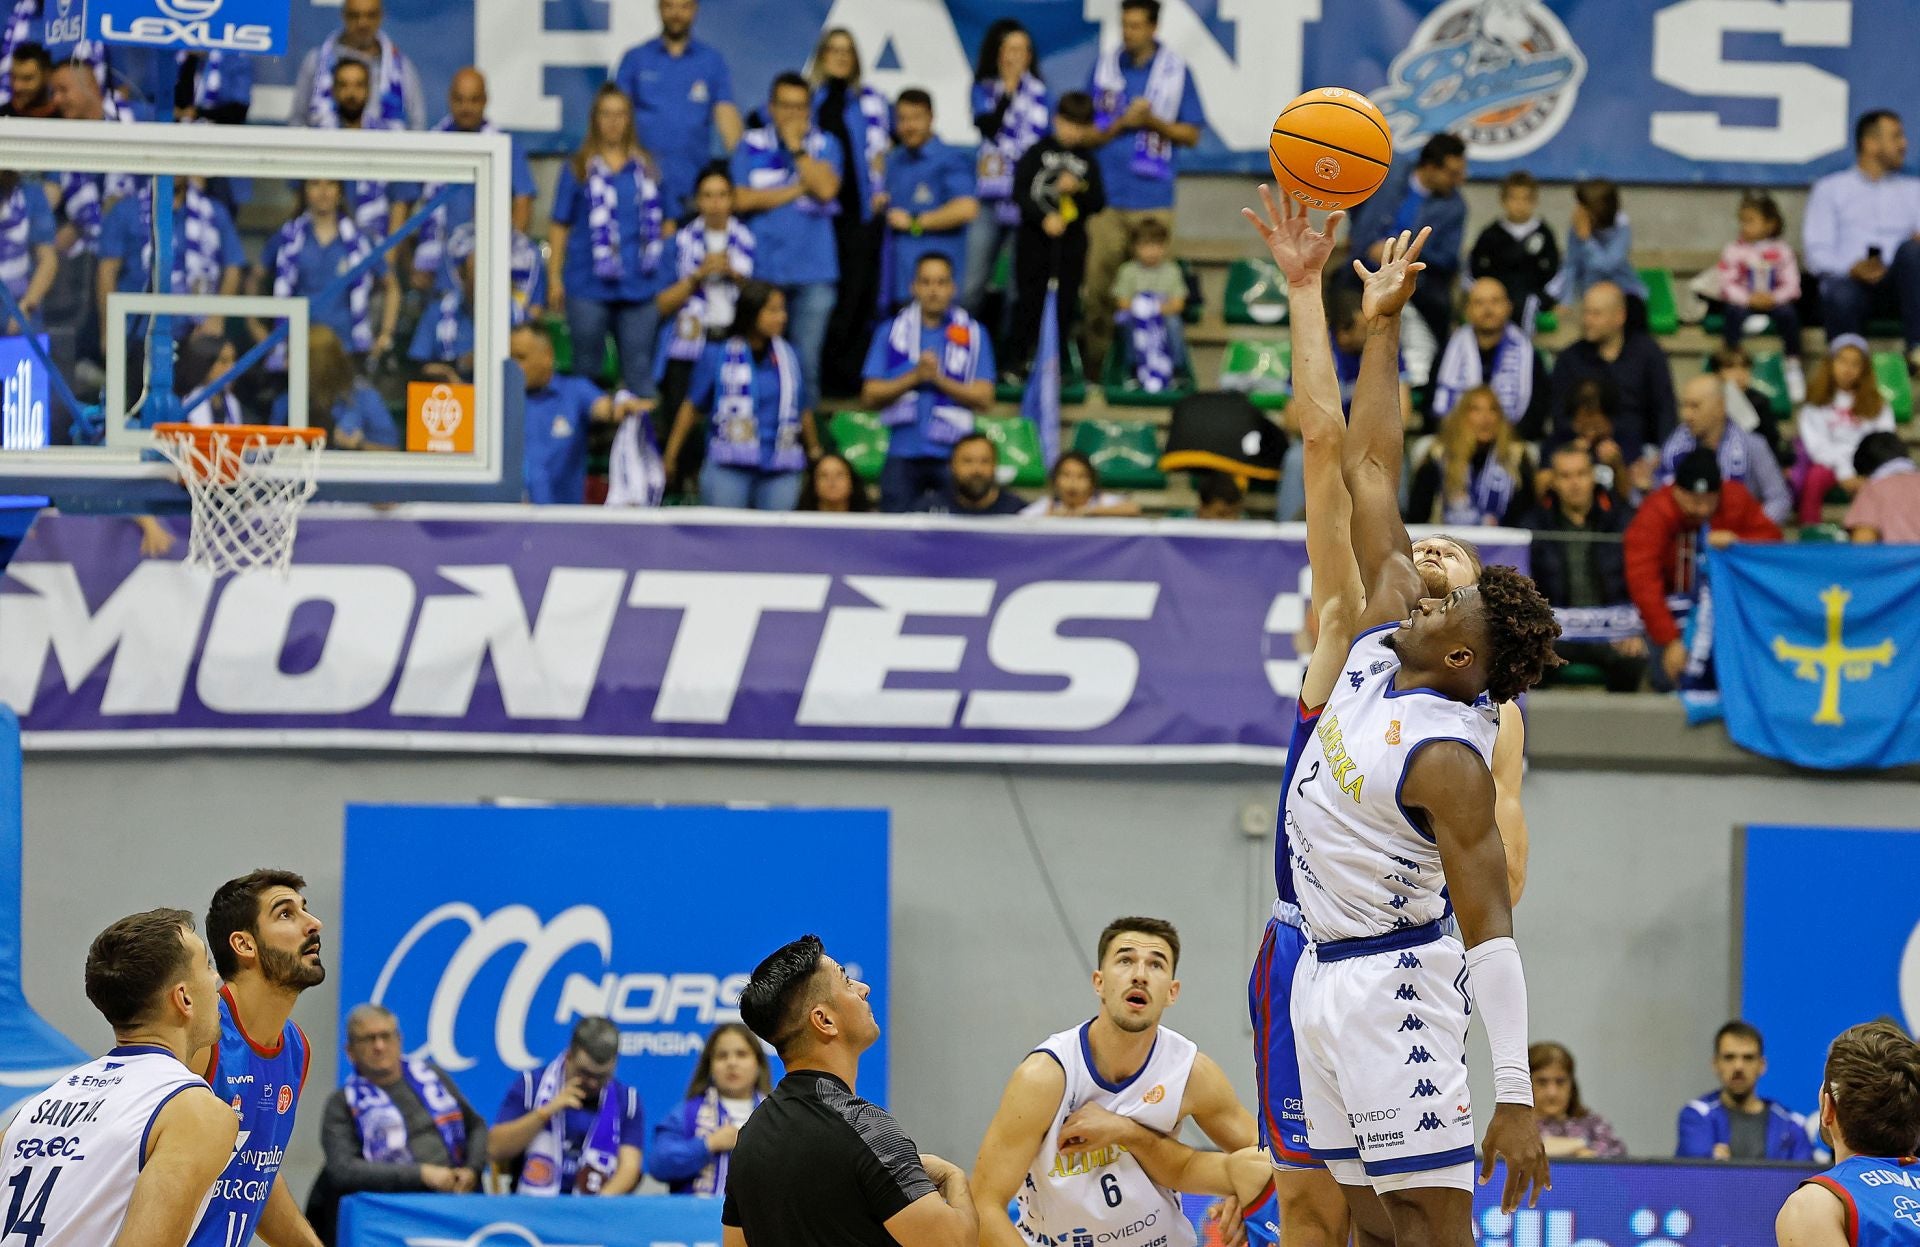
(1796, 382)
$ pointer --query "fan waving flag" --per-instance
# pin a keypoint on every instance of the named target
(1041, 403)
(1818, 652)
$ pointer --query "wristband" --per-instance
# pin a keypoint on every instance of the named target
(1499, 988)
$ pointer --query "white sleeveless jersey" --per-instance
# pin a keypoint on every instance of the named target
(72, 1155)
(1080, 1199)
(1360, 866)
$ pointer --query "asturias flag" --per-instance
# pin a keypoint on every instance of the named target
(1818, 652)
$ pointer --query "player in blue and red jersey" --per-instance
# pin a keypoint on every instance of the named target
(1870, 1114)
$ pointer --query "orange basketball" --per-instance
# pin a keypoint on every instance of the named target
(1330, 148)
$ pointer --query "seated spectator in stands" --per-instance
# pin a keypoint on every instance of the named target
(1150, 293)
(691, 1144)
(202, 358)
(308, 254)
(1593, 405)
(377, 206)
(1012, 112)
(340, 400)
(1746, 406)
(1491, 350)
(1663, 545)
(1579, 566)
(399, 99)
(831, 486)
(1221, 498)
(1057, 188)
(1567, 1126)
(928, 372)
(1599, 249)
(973, 482)
(29, 261)
(442, 346)
(1843, 405)
(1414, 197)
(1630, 366)
(1743, 456)
(207, 259)
(1760, 276)
(572, 1127)
(467, 114)
(1073, 488)
(560, 409)
(682, 93)
(750, 390)
(787, 179)
(29, 82)
(1862, 235)
(1478, 471)
(214, 87)
(712, 255)
(399, 1124)
(929, 196)
(607, 245)
(1887, 506)
(1519, 250)
(1736, 1122)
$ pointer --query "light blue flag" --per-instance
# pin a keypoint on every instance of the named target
(1041, 403)
(1818, 652)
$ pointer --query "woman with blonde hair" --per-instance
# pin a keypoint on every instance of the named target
(1843, 405)
(1478, 471)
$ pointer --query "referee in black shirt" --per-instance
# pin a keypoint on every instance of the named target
(816, 1165)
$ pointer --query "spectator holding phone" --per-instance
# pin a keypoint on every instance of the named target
(572, 1128)
(1862, 234)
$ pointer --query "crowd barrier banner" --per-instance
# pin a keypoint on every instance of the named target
(1797, 985)
(544, 915)
(529, 1221)
(695, 633)
(1818, 652)
(1724, 91)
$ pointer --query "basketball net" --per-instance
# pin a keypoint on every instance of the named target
(247, 485)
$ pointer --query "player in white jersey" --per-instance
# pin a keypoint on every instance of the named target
(1124, 1060)
(1393, 814)
(125, 1149)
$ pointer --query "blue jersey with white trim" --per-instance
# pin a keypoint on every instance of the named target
(1882, 1199)
(262, 1085)
(1303, 723)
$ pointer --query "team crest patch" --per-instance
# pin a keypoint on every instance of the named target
(286, 1099)
(1156, 1095)
(236, 1106)
(1393, 732)
(537, 1173)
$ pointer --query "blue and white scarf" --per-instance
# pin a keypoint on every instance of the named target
(959, 361)
(16, 252)
(209, 77)
(84, 196)
(19, 29)
(294, 238)
(766, 142)
(1461, 370)
(1166, 83)
(430, 242)
(529, 276)
(736, 420)
(636, 474)
(383, 1128)
(709, 1117)
(389, 86)
(1021, 126)
(876, 130)
(197, 260)
(1735, 462)
(545, 1157)
(1151, 339)
(711, 304)
(603, 217)
(1489, 492)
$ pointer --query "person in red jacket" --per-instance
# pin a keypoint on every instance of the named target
(1662, 544)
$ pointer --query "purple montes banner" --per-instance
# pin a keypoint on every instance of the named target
(573, 630)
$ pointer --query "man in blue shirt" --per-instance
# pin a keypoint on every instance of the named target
(929, 371)
(787, 179)
(682, 94)
(1735, 1122)
(1145, 107)
(1423, 195)
(1862, 234)
(929, 192)
(594, 1146)
(559, 409)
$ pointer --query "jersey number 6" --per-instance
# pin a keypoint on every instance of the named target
(1110, 1190)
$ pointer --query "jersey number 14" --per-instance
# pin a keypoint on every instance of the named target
(26, 1217)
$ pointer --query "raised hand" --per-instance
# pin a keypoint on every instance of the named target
(1298, 250)
(1386, 289)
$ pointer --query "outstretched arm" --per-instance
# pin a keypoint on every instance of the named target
(1338, 594)
(1375, 443)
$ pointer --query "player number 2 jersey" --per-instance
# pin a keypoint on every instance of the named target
(1078, 1199)
(73, 1155)
(1361, 866)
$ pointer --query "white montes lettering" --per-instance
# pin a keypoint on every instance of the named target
(862, 644)
(1811, 109)
(1100, 671)
(240, 671)
(147, 626)
(721, 614)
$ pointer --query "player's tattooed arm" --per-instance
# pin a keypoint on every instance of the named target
(1013, 1139)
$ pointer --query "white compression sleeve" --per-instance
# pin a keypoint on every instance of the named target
(1500, 990)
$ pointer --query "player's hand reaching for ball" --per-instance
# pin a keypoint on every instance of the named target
(1297, 248)
(1386, 289)
(1514, 1137)
(1092, 1126)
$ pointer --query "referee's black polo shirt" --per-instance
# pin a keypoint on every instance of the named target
(817, 1166)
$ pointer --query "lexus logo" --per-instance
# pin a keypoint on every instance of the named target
(190, 10)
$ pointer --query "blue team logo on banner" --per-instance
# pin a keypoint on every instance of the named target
(258, 27)
(23, 396)
(489, 932)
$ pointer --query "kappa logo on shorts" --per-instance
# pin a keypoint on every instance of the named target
(1419, 1056)
(1424, 1089)
(1407, 962)
(1393, 732)
(1406, 992)
(1413, 1024)
(1398, 902)
(1429, 1121)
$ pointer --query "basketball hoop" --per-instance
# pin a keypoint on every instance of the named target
(247, 484)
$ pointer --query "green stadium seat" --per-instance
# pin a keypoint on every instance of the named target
(1123, 391)
(1002, 278)
(1580, 674)
(1019, 445)
(1890, 370)
(1546, 320)
(1126, 454)
(1769, 377)
(1073, 382)
(1260, 368)
(1256, 294)
(1663, 304)
(860, 437)
(1821, 535)
(561, 338)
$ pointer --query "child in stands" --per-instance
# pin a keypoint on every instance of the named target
(1760, 280)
